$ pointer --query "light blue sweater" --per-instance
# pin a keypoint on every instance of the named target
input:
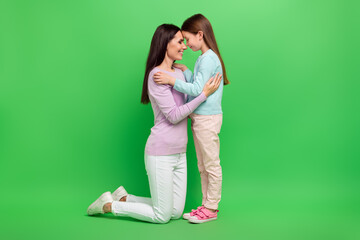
(206, 66)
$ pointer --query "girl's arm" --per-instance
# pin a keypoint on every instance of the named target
(165, 100)
(186, 71)
(190, 88)
(188, 76)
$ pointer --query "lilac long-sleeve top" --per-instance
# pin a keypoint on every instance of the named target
(169, 133)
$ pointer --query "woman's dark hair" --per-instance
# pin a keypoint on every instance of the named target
(162, 36)
(199, 22)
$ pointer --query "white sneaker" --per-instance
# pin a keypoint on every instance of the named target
(97, 206)
(119, 193)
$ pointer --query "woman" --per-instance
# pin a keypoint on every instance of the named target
(165, 151)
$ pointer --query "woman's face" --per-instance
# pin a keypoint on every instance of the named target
(192, 40)
(176, 47)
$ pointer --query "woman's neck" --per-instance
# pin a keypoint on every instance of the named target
(167, 64)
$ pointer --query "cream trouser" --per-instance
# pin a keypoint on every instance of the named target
(167, 179)
(206, 129)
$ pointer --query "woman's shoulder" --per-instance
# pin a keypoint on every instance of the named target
(176, 73)
(179, 74)
(179, 71)
(153, 71)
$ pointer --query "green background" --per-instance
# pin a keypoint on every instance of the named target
(72, 126)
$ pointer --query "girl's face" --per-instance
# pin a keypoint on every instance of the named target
(193, 41)
(176, 47)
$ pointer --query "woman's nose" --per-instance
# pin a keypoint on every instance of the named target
(184, 46)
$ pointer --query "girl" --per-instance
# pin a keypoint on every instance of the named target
(165, 158)
(207, 118)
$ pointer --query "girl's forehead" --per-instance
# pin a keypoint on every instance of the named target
(185, 33)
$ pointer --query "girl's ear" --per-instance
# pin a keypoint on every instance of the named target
(201, 35)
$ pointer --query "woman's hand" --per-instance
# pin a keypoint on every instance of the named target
(182, 67)
(163, 78)
(212, 85)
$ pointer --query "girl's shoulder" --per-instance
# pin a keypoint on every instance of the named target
(209, 57)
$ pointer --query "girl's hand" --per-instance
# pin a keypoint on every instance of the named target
(182, 67)
(212, 85)
(163, 78)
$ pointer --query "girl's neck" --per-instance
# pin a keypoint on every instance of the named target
(167, 64)
(204, 48)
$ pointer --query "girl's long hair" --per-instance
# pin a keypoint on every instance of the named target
(197, 23)
(162, 36)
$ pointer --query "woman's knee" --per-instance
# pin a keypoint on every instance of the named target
(162, 217)
(176, 215)
(178, 210)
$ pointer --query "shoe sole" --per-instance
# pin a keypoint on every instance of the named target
(195, 220)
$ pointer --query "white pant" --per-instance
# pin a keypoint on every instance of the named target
(167, 178)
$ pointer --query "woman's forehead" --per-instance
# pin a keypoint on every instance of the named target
(178, 35)
(185, 33)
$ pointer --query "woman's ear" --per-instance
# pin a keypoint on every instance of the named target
(201, 35)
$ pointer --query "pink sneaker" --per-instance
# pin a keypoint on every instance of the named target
(192, 213)
(203, 215)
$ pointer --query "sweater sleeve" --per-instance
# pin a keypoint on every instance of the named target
(204, 73)
(166, 103)
(188, 76)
